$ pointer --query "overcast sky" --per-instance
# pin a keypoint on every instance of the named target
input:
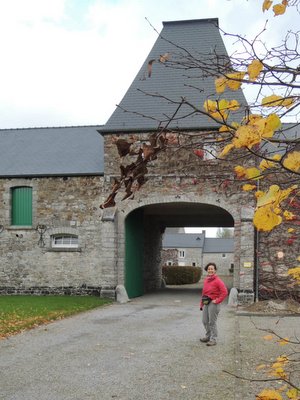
(69, 62)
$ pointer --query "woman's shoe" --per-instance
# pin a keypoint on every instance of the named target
(204, 340)
(211, 343)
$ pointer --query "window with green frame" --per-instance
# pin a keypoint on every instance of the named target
(21, 210)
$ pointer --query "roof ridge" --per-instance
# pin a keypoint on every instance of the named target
(51, 127)
(192, 21)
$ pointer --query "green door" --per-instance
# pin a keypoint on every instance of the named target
(21, 212)
(134, 252)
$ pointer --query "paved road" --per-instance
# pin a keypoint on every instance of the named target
(146, 349)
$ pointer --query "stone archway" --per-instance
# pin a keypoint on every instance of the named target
(144, 227)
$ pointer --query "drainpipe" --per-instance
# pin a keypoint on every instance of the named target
(256, 264)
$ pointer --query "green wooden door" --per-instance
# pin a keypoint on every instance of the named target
(21, 206)
(134, 252)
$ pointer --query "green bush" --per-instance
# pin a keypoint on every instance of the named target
(181, 275)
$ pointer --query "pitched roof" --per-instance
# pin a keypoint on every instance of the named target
(198, 240)
(51, 152)
(218, 245)
(185, 240)
(142, 107)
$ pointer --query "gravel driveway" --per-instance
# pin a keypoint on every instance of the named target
(146, 349)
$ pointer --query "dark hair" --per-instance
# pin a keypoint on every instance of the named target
(207, 265)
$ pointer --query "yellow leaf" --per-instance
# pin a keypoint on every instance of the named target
(234, 80)
(246, 136)
(272, 123)
(226, 149)
(240, 171)
(210, 106)
(266, 5)
(284, 341)
(269, 196)
(224, 128)
(292, 161)
(288, 102)
(291, 230)
(279, 9)
(233, 105)
(222, 105)
(247, 187)
(265, 218)
(265, 164)
(269, 337)
(277, 157)
(220, 84)
(279, 371)
(269, 394)
(295, 273)
(293, 394)
(277, 101)
(289, 215)
(271, 101)
(253, 173)
(261, 366)
(254, 69)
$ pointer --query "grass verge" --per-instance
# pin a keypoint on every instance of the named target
(18, 313)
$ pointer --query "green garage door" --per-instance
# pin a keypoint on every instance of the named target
(134, 252)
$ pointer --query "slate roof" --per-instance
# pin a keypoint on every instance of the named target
(51, 152)
(289, 131)
(201, 38)
(183, 240)
(189, 240)
(218, 245)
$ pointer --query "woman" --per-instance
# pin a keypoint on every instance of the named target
(213, 293)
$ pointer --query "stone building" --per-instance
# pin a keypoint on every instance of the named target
(54, 237)
(197, 250)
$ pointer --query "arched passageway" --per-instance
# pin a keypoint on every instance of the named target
(144, 227)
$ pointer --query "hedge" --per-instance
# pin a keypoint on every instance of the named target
(181, 275)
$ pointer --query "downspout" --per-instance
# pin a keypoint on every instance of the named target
(256, 260)
(256, 264)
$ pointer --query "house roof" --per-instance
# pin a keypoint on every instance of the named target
(143, 107)
(189, 240)
(51, 152)
(218, 245)
(288, 131)
(183, 240)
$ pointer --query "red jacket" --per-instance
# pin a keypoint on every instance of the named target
(214, 288)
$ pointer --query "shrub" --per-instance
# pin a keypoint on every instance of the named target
(181, 275)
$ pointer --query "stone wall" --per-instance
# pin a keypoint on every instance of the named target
(182, 177)
(223, 263)
(71, 205)
(29, 264)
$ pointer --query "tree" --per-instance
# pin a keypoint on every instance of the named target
(225, 233)
(267, 151)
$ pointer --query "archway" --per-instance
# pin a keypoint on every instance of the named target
(144, 227)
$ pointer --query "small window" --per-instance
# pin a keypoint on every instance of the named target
(193, 264)
(181, 253)
(66, 241)
(169, 263)
(223, 255)
(21, 206)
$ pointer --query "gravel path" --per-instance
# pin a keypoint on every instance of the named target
(146, 349)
